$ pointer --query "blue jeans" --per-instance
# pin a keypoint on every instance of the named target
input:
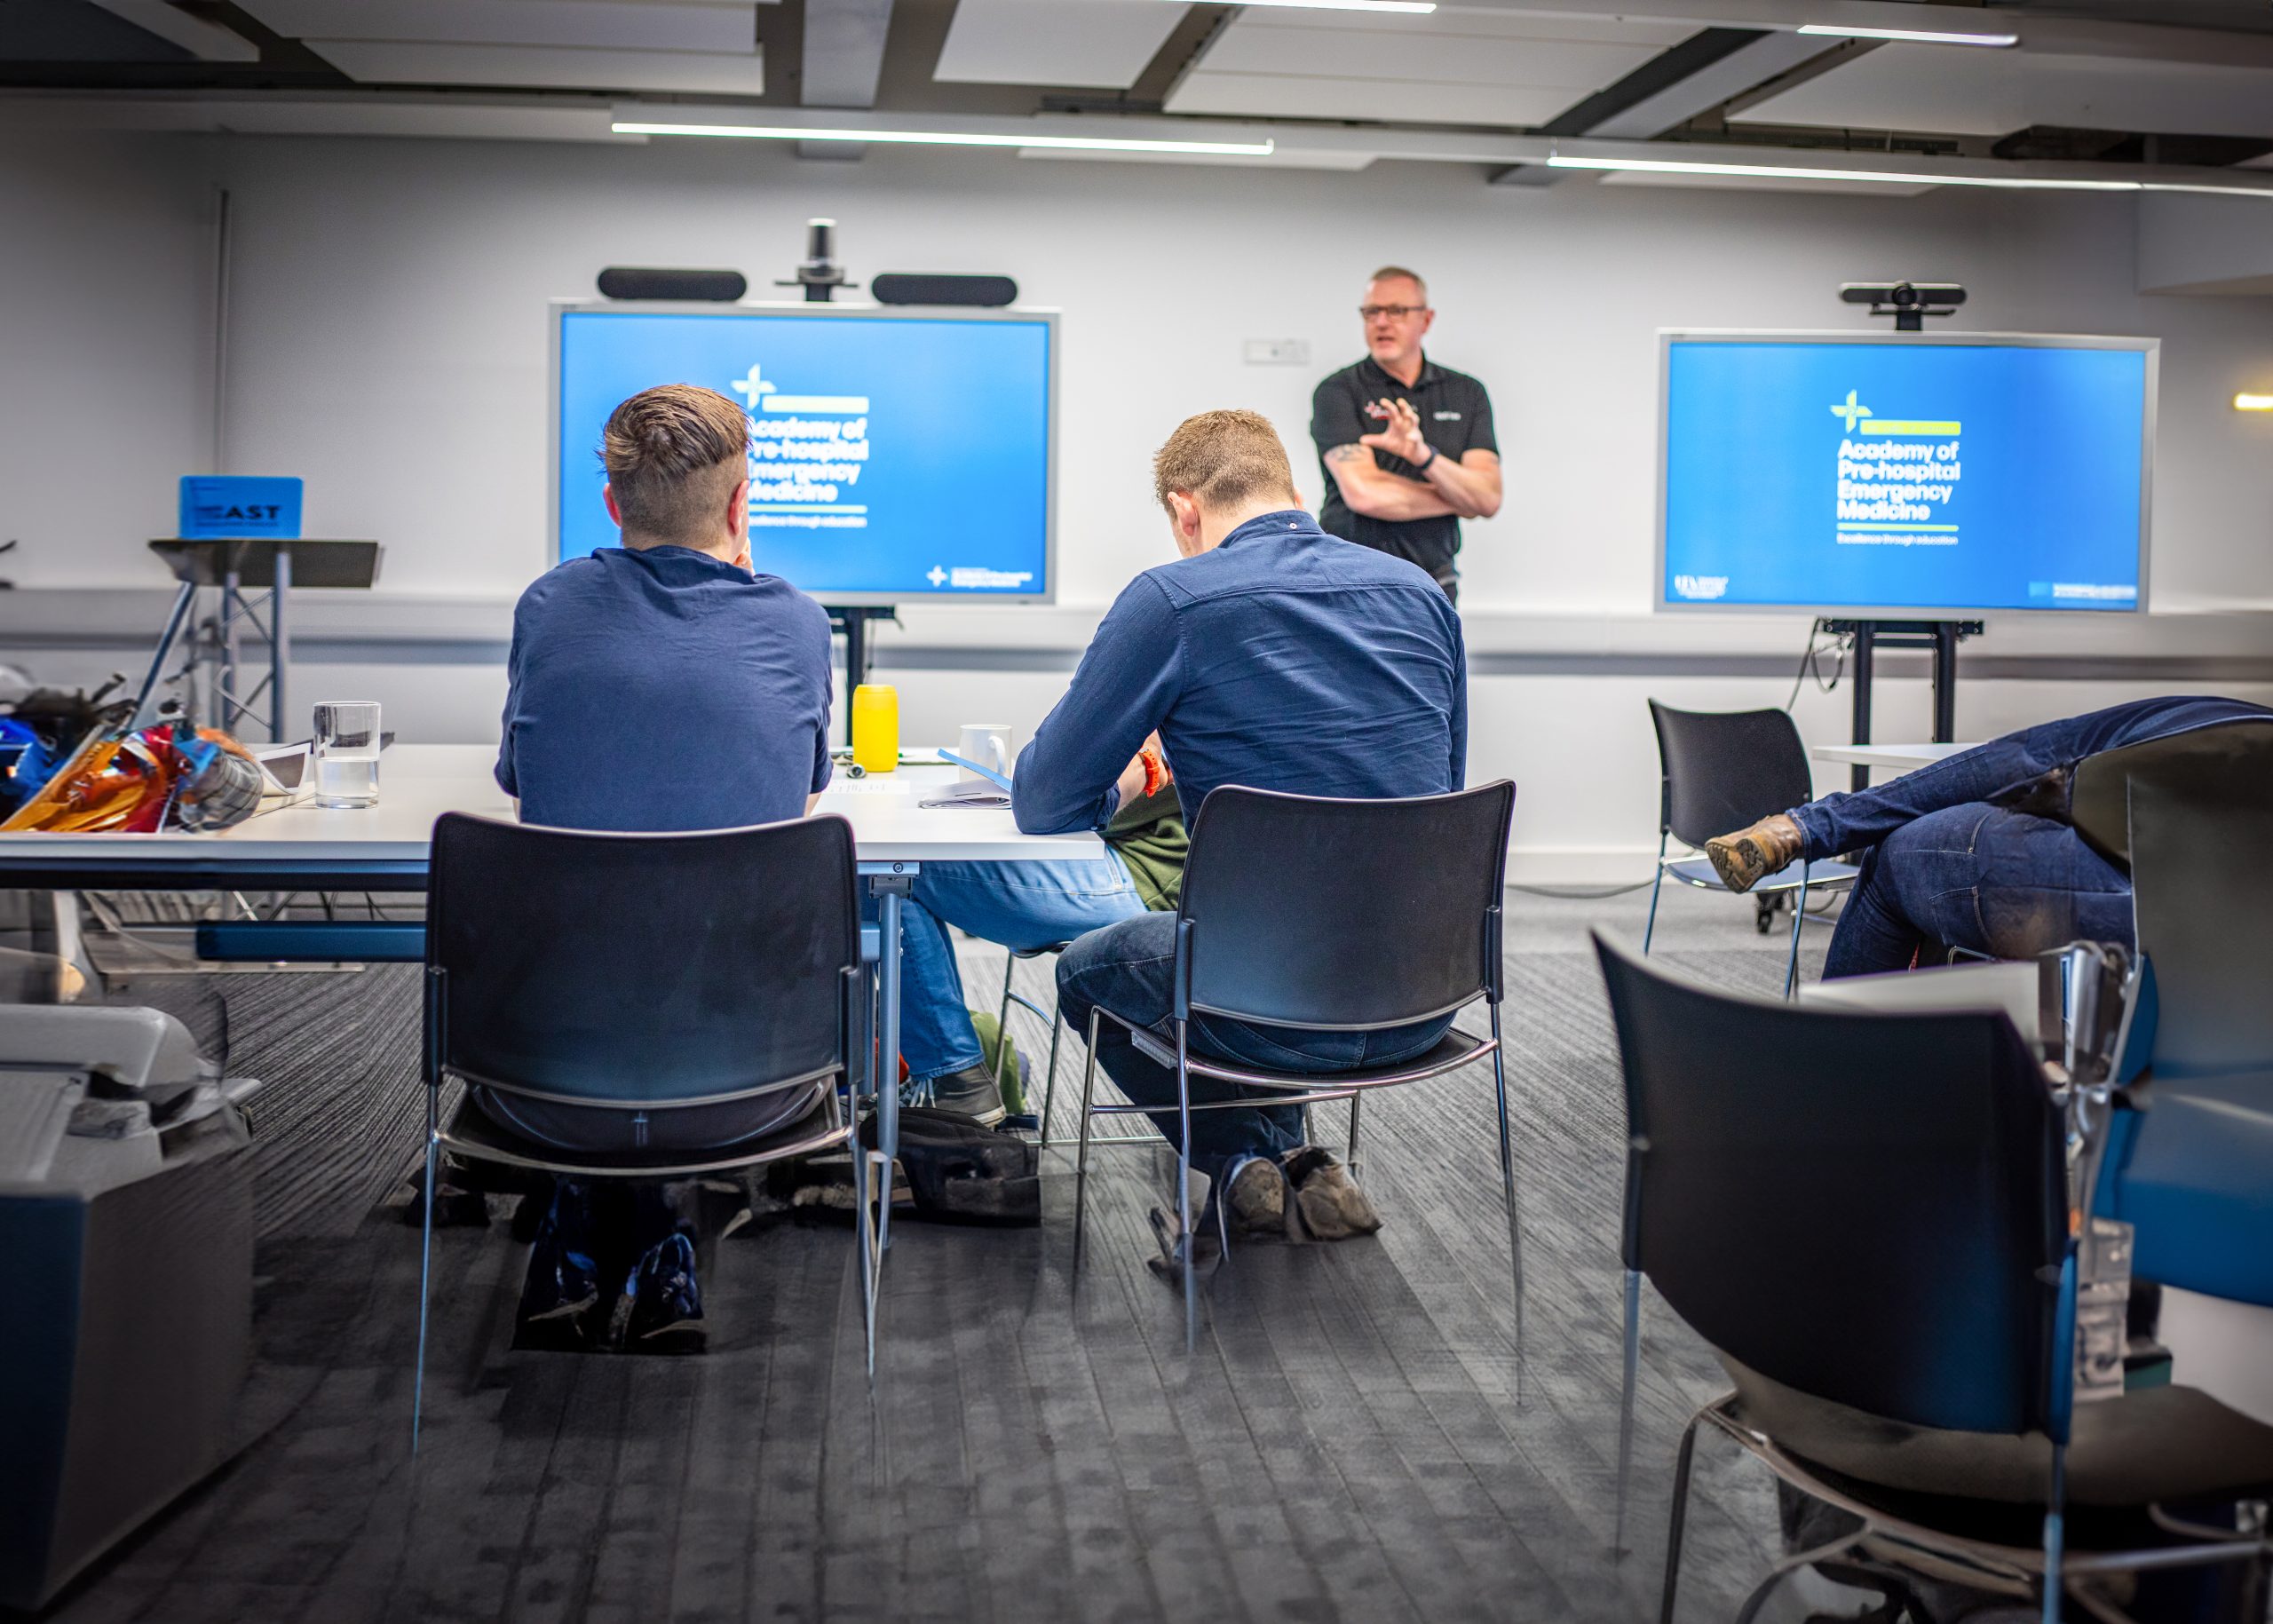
(1942, 864)
(1127, 969)
(1022, 906)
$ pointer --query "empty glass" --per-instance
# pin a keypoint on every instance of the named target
(347, 753)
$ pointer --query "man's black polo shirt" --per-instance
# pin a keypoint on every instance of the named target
(1455, 416)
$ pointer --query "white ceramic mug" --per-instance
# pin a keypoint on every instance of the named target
(987, 743)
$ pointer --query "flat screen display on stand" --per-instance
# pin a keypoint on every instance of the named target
(1924, 476)
(895, 457)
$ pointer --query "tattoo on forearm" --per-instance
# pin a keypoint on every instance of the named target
(1345, 454)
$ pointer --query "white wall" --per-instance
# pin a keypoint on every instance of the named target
(390, 335)
(388, 344)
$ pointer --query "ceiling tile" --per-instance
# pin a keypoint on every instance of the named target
(629, 25)
(1103, 43)
(1957, 92)
(546, 68)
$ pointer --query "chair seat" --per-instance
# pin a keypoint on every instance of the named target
(473, 1133)
(2156, 1445)
(1455, 1049)
(1824, 873)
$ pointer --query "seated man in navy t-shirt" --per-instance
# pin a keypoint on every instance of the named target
(661, 685)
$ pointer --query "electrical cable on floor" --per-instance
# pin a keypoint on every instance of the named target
(1810, 662)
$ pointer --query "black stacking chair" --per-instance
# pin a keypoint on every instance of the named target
(650, 973)
(2191, 816)
(1723, 769)
(1330, 915)
(1866, 1216)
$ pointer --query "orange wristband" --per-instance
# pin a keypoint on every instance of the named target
(1157, 776)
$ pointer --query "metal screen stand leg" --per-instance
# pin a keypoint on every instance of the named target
(1508, 1192)
(1183, 1193)
(2054, 1540)
(1657, 884)
(1679, 1515)
(1799, 918)
(1082, 1157)
(1625, 1407)
(425, 1272)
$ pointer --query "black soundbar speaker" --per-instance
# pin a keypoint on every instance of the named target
(631, 282)
(901, 289)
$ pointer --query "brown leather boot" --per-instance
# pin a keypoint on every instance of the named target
(1745, 858)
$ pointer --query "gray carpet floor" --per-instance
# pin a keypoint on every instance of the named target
(1348, 1442)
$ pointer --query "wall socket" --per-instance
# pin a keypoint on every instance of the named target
(1277, 353)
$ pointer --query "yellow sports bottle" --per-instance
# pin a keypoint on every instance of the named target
(875, 727)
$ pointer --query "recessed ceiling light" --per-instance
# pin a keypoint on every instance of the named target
(916, 138)
(2254, 403)
(1911, 36)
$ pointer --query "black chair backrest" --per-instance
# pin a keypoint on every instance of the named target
(2195, 811)
(1725, 769)
(1311, 911)
(645, 969)
(1856, 1205)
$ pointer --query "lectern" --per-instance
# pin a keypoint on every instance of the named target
(232, 565)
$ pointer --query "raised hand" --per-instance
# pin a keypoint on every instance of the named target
(1401, 437)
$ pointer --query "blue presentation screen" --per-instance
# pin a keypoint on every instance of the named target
(892, 458)
(1912, 475)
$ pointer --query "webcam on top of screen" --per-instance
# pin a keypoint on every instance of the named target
(1908, 302)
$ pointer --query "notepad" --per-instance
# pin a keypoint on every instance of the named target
(992, 789)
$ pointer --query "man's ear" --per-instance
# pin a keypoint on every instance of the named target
(737, 511)
(1183, 522)
(608, 494)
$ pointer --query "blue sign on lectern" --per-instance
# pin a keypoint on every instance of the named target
(238, 505)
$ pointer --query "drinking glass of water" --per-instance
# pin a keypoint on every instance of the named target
(347, 753)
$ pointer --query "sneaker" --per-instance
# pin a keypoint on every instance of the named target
(971, 1092)
(562, 1286)
(1749, 855)
(1208, 1247)
(666, 1299)
(1330, 1205)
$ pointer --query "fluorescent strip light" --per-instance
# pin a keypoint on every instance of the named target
(1421, 7)
(1913, 36)
(2254, 403)
(1779, 172)
(913, 138)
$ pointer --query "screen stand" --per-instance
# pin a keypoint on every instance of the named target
(1940, 637)
(852, 620)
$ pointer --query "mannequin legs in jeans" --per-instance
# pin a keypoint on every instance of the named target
(1974, 850)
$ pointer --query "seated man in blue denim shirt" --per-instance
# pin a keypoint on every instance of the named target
(1273, 655)
(662, 685)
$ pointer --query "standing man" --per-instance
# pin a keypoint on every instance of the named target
(1406, 444)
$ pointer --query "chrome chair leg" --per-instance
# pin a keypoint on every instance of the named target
(864, 1238)
(1626, 1408)
(1786, 1568)
(1351, 1155)
(1679, 1515)
(1799, 918)
(426, 1273)
(1183, 1192)
(1049, 1084)
(1082, 1157)
(1657, 884)
(1508, 1192)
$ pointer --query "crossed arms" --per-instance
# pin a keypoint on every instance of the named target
(1466, 488)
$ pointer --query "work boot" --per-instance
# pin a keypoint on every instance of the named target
(972, 1092)
(1256, 1188)
(1330, 1205)
(1747, 857)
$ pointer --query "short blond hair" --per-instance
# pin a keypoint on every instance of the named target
(673, 455)
(1223, 460)
(1396, 272)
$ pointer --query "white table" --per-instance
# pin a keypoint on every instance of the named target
(298, 846)
(1903, 757)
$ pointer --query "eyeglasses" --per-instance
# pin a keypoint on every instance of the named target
(1395, 312)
